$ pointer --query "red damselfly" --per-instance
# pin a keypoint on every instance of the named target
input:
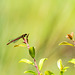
(22, 36)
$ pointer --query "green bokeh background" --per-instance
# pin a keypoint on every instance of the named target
(47, 22)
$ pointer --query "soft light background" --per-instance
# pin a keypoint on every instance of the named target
(47, 22)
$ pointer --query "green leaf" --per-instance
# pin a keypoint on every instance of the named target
(19, 45)
(65, 69)
(72, 61)
(66, 43)
(48, 73)
(26, 61)
(32, 72)
(41, 63)
(32, 52)
(59, 64)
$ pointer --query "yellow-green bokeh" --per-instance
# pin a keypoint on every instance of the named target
(47, 22)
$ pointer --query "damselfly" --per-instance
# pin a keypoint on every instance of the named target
(22, 36)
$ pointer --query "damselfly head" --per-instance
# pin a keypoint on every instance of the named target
(24, 35)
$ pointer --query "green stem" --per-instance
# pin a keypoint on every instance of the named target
(61, 72)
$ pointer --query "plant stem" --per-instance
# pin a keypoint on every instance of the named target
(74, 43)
(36, 66)
(25, 41)
(61, 73)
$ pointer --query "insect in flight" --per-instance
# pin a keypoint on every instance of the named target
(22, 36)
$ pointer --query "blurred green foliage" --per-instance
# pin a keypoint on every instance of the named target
(47, 22)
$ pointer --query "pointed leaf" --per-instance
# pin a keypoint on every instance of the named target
(72, 61)
(65, 69)
(32, 52)
(59, 64)
(66, 43)
(32, 72)
(48, 73)
(26, 61)
(19, 45)
(41, 63)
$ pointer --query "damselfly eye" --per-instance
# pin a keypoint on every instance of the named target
(24, 35)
